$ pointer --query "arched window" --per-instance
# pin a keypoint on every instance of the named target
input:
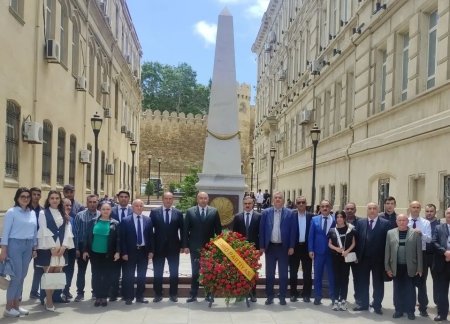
(75, 48)
(12, 140)
(64, 33)
(72, 159)
(91, 69)
(89, 169)
(99, 78)
(102, 171)
(47, 153)
(61, 152)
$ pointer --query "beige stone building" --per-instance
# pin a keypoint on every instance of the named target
(179, 141)
(374, 76)
(63, 61)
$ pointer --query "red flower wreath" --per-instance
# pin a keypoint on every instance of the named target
(219, 275)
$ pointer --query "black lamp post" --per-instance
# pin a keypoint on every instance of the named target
(272, 157)
(133, 146)
(252, 161)
(159, 176)
(315, 135)
(96, 123)
(149, 170)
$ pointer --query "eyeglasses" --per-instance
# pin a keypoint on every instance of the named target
(300, 202)
(24, 196)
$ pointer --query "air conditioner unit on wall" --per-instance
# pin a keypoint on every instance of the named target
(85, 156)
(128, 134)
(109, 169)
(32, 132)
(107, 113)
(52, 51)
(80, 83)
(305, 117)
(105, 88)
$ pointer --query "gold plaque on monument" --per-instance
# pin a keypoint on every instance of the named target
(227, 205)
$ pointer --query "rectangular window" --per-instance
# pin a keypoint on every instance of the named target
(12, 140)
(48, 19)
(383, 80)
(326, 114)
(332, 194)
(333, 15)
(349, 95)
(432, 46)
(344, 11)
(383, 192)
(47, 153)
(72, 159)
(405, 61)
(337, 107)
(344, 196)
(61, 161)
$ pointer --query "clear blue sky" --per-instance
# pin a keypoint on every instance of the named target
(177, 31)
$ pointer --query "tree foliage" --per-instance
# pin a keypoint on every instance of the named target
(173, 88)
(189, 190)
(149, 188)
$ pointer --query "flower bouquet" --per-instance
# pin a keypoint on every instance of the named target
(229, 266)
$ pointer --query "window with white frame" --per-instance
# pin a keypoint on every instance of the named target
(333, 16)
(91, 69)
(61, 154)
(49, 19)
(337, 107)
(47, 153)
(17, 6)
(383, 72)
(344, 11)
(75, 48)
(432, 46)
(405, 61)
(63, 34)
(349, 95)
(12, 140)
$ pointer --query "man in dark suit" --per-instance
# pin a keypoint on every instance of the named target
(303, 223)
(277, 239)
(370, 251)
(136, 242)
(247, 224)
(389, 213)
(350, 211)
(167, 223)
(201, 223)
(441, 265)
(119, 212)
(319, 251)
(430, 215)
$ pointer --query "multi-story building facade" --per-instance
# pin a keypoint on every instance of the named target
(374, 76)
(62, 62)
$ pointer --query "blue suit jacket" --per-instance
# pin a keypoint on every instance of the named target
(288, 229)
(118, 209)
(129, 236)
(318, 240)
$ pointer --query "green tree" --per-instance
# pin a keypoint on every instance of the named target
(149, 188)
(189, 190)
(173, 88)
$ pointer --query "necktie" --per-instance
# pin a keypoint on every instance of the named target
(139, 231)
(123, 214)
(371, 224)
(167, 216)
(414, 225)
(325, 220)
(203, 214)
(247, 222)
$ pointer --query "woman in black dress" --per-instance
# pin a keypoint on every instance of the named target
(341, 241)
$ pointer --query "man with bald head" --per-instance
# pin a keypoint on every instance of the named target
(201, 223)
(421, 226)
(370, 251)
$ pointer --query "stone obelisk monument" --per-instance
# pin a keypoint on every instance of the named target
(221, 176)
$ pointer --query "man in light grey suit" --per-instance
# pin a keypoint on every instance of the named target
(402, 262)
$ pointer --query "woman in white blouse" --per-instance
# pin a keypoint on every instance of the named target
(55, 237)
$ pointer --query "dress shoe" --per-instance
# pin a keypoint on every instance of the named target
(128, 302)
(283, 301)
(293, 299)
(440, 318)
(157, 299)
(269, 301)
(173, 299)
(411, 316)
(97, 303)
(79, 298)
(191, 299)
(317, 302)
(68, 295)
(306, 300)
(360, 308)
(142, 300)
(104, 303)
(112, 299)
(378, 311)
(397, 315)
(424, 313)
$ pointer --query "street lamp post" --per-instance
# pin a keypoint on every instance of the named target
(252, 161)
(315, 135)
(149, 170)
(159, 176)
(133, 146)
(96, 123)
(272, 157)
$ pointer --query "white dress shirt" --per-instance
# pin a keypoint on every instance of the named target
(424, 226)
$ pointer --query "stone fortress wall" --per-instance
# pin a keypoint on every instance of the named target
(179, 140)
